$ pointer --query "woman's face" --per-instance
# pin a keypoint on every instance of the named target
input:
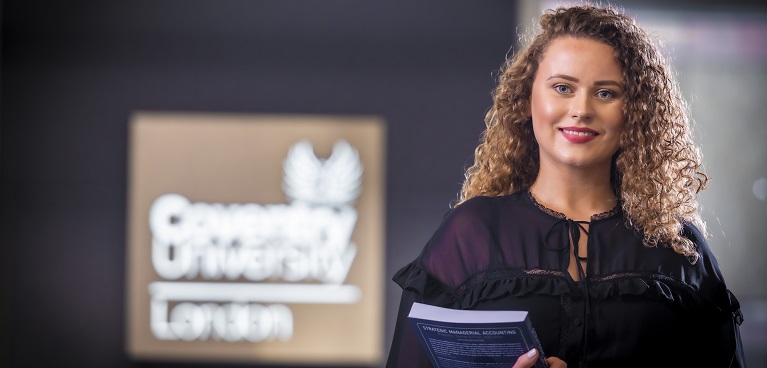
(577, 104)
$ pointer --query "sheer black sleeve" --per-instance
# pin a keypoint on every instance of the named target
(448, 259)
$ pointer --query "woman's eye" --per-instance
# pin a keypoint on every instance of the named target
(605, 94)
(561, 88)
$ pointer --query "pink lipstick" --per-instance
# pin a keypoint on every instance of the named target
(578, 135)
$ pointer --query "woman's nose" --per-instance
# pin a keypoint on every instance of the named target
(581, 107)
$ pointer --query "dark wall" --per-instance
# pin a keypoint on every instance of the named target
(72, 73)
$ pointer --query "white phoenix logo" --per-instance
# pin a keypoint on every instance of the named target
(334, 181)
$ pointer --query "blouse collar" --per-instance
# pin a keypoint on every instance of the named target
(560, 215)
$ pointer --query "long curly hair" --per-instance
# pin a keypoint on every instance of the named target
(657, 171)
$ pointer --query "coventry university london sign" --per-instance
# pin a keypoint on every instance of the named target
(255, 238)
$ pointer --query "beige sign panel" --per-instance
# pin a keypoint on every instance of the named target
(255, 238)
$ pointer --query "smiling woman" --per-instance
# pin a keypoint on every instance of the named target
(581, 208)
(577, 107)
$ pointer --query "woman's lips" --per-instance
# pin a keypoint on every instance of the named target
(578, 135)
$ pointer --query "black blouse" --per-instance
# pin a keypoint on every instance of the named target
(637, 306)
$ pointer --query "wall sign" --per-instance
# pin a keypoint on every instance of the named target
(256, 238)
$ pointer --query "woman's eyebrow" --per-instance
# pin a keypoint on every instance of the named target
(607, 83)
(576, 80)
(564, 76)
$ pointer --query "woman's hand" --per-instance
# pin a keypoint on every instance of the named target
(528, 361)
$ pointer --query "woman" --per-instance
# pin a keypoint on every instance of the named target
(581, 208)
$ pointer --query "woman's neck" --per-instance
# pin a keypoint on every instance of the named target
(578, 194)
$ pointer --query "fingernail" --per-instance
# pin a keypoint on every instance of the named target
(531, 353)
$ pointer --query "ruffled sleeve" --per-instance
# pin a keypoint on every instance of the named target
(725, 328)
(461, 266)
(708, 315)
(414, 278)
(444, 263)
(417, 286)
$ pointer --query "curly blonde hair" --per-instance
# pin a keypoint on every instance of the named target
(657, 171)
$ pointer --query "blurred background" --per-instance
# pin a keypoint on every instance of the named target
(74, 71)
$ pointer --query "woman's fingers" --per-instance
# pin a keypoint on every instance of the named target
(555, 362)
(526, 360)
